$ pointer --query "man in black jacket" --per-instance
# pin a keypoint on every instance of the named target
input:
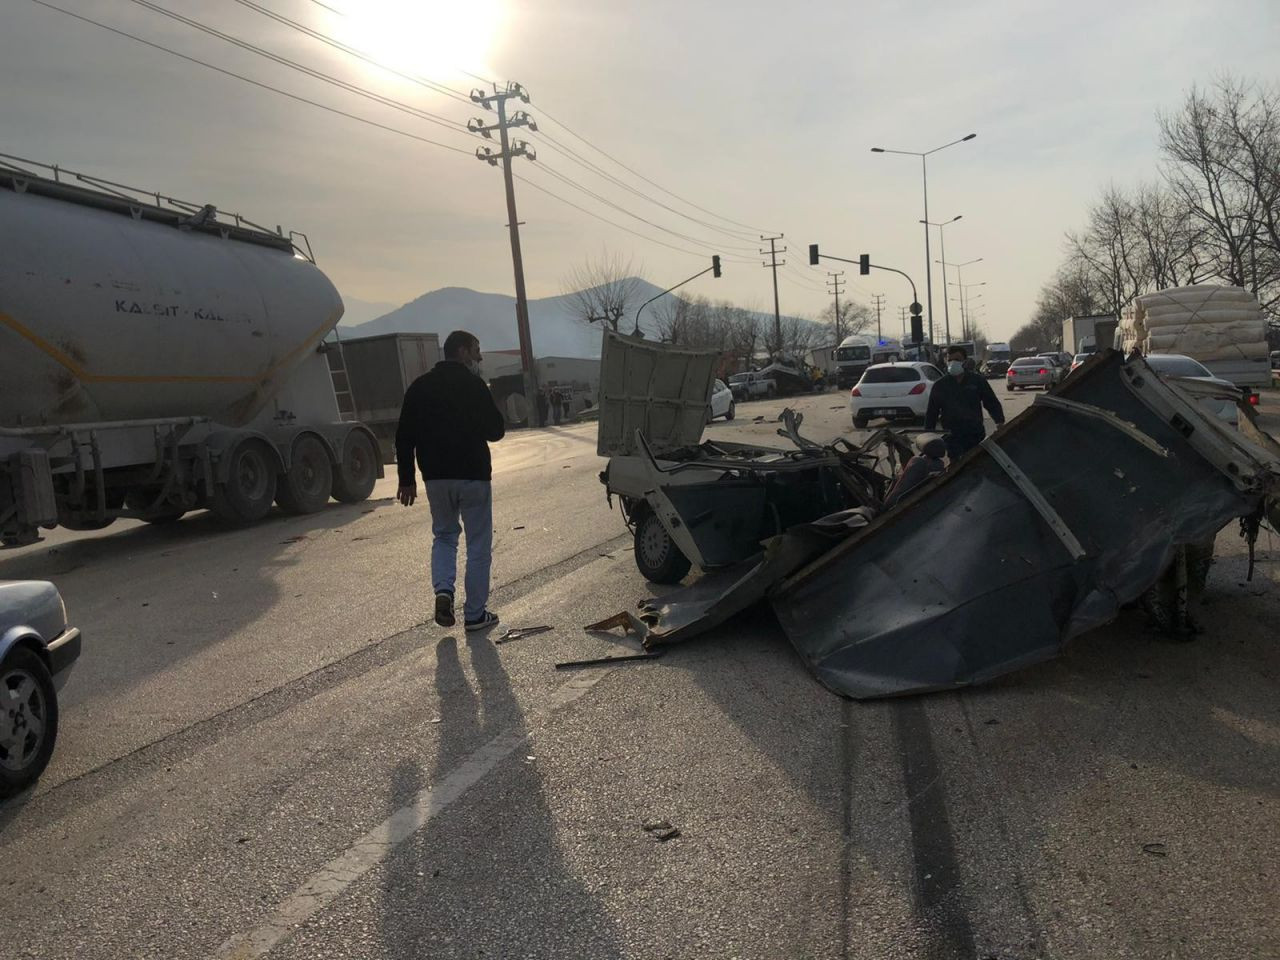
(448, 420)
(958, 399)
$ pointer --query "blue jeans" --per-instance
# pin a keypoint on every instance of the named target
(472, 502)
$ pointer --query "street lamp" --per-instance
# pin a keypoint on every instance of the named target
(924, 171)
(964, 301)
(959, 267)
(942, 246)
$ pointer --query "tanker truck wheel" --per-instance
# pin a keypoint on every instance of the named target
(307, 485)
(357, 473)
(250, 487)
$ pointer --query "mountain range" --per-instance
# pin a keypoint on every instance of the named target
(553, 324)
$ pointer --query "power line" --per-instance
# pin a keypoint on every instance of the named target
(609, 203)
(352, 51)
(249, 80)
(382, 126)
(634, 233)
(449, 91)
(303, 68)
(653, 183)
(388, 101)
(547, 139)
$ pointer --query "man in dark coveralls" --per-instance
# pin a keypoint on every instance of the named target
(957, 399)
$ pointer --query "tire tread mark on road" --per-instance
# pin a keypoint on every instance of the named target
(939, 898)
(64, 798)
(1038, 944)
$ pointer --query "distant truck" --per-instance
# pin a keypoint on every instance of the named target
(156, 358)
(998, 351)
(1220, 326)
(1088, 334)
(379, 370)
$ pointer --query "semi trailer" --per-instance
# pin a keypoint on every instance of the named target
(158, 357)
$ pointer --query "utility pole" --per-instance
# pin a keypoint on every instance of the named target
(879, 299)
(773, 263)
(834, 285)
(902, 316)
(520, 148)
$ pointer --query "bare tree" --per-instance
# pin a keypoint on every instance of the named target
(603, 290)
(855, 317)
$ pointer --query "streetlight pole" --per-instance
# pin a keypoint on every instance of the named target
(924, 172)
(959, 267)
(942, 247)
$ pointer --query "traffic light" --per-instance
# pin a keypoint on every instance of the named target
(917, 329)
(715, 265)
(864, 264)
(813, 254)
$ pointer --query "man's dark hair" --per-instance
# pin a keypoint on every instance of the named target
(458, 341)
(953, 350)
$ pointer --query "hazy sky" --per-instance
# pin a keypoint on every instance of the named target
(761, 112)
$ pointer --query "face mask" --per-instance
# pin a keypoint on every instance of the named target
(955, 368)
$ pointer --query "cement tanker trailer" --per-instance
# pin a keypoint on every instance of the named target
(157, 357)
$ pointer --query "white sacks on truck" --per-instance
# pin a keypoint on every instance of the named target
(1203, 321)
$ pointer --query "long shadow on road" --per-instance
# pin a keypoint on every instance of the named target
(486, 876)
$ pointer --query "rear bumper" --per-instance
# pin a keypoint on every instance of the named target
(64, 650)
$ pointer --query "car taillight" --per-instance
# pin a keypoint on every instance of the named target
(1010, 373)
(916, 390)
(1043, 370)
(1254, 399)
(855, 392)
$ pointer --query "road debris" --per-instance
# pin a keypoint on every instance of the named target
(918, 597)
(516, 633)
(604, 661)
(1155, 849)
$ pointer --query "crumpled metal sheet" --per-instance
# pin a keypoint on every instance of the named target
(714, 598)
(966, 580)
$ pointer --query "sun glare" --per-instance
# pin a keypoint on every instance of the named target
(429, 37)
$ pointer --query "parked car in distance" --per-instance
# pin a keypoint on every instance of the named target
(1275, 359)
(893, 391)
(721, 402)
(1031, 372)
(1078, 359)
(752, 385)
(1177, 366)
(993, 369)
(37, 651)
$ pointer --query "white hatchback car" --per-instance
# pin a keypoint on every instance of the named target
(722, 402)
(893, 391)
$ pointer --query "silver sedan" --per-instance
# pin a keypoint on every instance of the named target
(1030, 372)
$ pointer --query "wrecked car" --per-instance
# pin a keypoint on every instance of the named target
(917, 598)
(709, 503)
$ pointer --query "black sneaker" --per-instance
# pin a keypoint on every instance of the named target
(444, 610)
(487, 619)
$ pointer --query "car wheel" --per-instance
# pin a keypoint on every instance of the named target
(657, 556)
(1009, 387)
(28, 719)
(859, 422)
(732, 411)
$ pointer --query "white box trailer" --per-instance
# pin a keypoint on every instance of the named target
(156, 357)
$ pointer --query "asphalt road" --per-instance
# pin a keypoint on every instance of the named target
(268, 750)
